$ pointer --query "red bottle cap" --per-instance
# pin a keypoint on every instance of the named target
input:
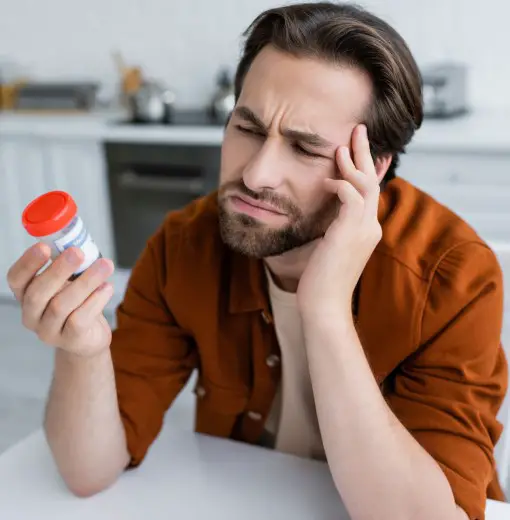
(49, 213)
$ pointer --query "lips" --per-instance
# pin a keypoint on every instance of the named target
(257, 204)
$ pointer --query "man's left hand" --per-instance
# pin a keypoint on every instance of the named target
(329, 280)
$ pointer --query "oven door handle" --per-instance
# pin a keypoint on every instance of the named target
(131, 180)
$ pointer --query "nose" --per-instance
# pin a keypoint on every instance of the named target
(266, 169)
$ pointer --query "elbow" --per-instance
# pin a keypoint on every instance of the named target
(84, 491)
(86, 484)
(85, 474)
(88, 489)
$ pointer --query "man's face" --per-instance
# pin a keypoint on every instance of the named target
(280, 145)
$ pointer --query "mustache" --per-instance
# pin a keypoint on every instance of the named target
(280, 202)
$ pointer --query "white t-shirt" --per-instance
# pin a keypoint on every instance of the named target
(293, 418)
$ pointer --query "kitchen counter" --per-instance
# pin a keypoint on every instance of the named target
(104, 126)
(483, 130)
(65, 126)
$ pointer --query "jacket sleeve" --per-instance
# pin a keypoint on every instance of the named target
(448, 394)
(153, 357)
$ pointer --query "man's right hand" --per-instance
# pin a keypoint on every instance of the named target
(63, 314)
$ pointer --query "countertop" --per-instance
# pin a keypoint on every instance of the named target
(481, 131)
(185, 476)
(104, 126)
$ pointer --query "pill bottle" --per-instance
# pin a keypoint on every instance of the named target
(53, 219)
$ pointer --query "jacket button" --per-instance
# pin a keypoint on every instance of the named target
(266, 317)
(255, 416)
(272, 361)
(200, 391)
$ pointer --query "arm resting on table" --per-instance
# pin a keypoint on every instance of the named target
(83, 424)
(104, 412)
(427, 443)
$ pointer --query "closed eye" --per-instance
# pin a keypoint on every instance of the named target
(249, 131)
(295, 146)
(299, 149)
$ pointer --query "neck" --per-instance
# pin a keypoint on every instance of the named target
(287, 269)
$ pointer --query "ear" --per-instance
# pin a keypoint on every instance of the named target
(382, 163)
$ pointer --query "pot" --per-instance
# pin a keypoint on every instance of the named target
(152, 103)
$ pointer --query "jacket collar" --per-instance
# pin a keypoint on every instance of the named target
(248, 284)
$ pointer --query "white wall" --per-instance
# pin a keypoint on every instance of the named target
(185, 41)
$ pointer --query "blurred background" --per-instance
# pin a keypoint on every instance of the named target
(123, 103)
(184, 43)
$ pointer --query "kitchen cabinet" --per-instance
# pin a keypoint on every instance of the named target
(22, 177)
(78, 167)
(502, 452)
(474, 184)
(503, 447)
(30, 166)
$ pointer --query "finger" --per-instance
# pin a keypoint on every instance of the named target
(65, 302)
(365, 208)
(372, 200)
(23, 271)
(344, 162)
(369, 190)
(351, 200)
(86, 314)
(40, 291)
(361, 151)
(353, 208)
(358, 179)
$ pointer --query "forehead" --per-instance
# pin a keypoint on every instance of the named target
(305, 93)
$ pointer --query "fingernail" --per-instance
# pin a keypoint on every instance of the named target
(345, 152)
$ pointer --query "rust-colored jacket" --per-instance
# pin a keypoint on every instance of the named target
(429, 316)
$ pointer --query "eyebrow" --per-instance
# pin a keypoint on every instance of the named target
(309, 138)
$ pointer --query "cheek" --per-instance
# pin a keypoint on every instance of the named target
(309, 192)
(236, 153)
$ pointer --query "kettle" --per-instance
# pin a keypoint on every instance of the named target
(223, 101)
(152, 103)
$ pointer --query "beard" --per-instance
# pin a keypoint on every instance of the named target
(252, 237)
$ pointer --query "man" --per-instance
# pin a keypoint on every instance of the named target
(326, 319)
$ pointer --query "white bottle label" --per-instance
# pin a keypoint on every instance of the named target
(78, 236)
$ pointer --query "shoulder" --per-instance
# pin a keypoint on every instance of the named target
(426, 237)
(429, 269)
(443, 292)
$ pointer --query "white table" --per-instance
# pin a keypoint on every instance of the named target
(185, 477)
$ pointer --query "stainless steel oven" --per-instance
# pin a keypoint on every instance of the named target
(147, 181)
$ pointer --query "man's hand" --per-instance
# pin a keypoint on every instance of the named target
(83, 425)
(66, 315)
(333, 271)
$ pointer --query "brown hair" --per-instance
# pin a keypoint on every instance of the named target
(348, 35)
